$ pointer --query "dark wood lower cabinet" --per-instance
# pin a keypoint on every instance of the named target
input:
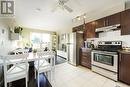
(124, 68)
(85, 58)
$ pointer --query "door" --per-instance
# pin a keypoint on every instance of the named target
(113, 19)
(124, 68)
(72, 48)
(105, 60)
(125, 22)
(78, 28)
(100, 23)
(90, 30)
(85, 58)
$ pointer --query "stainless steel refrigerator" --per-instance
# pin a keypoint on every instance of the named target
(75, 42)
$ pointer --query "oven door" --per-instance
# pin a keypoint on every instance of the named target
(105, 60)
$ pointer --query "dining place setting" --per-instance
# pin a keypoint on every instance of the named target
(17, 67)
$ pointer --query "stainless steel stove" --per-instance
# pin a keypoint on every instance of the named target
(105, 58)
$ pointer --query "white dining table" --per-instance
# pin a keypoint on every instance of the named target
(32, 57)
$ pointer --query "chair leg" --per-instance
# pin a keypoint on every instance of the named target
(10, 84)
(49, 76)
(5, 83)
(26, 81)
(35, 73)
(38, 80)
(53, 73)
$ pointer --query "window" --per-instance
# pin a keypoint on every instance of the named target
(40, 40)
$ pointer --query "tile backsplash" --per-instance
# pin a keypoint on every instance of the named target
(112, 36)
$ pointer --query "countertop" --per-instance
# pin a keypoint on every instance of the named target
(86, 49)
(124, 51)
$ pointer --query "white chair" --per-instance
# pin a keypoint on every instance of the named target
(20, 51)
(15, 68)
(44, 64)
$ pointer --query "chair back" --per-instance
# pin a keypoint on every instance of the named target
(20, 51)
(45, 56)
(18, 62)
(46, 53)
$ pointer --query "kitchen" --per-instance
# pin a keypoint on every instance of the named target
(106, 45)
(113, 36)
(95, 47)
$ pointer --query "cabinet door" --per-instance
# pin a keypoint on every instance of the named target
(90, 30)
(113, 19)
(124, 68)
(125, 22)
(100, 23)
(85, 59)
(78, 28)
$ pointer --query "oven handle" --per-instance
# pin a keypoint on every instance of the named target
(105, 54)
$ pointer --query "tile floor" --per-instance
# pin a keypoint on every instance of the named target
(60, 60)
(67, 75)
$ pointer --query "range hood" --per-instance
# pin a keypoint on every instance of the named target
(108, 28)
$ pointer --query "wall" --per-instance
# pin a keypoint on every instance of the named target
(112, 36)
(26, 36)
(6, 44)
(27, 31)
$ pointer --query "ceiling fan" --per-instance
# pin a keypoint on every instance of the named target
(62, 5)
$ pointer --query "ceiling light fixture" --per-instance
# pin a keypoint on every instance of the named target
(81, 17)
(78, 18)
(84, 15)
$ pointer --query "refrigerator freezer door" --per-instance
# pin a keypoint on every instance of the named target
(72, 49)
(72, 56)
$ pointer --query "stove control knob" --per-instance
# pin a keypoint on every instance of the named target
(119, 42)
(99, 43)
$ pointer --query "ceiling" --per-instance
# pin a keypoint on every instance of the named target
(37, 14)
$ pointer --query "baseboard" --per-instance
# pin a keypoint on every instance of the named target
(62, 57)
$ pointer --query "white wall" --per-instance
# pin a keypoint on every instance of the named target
(112, 36)
(5, 44)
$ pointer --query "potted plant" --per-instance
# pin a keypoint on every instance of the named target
(18, 30)
(34, 50)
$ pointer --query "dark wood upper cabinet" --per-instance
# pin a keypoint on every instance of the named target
(122, 18)
(113, 19)
(108, 21)
(78, 28)
(124, 68)
(125, 22)
(100, 23)
(89, 30)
